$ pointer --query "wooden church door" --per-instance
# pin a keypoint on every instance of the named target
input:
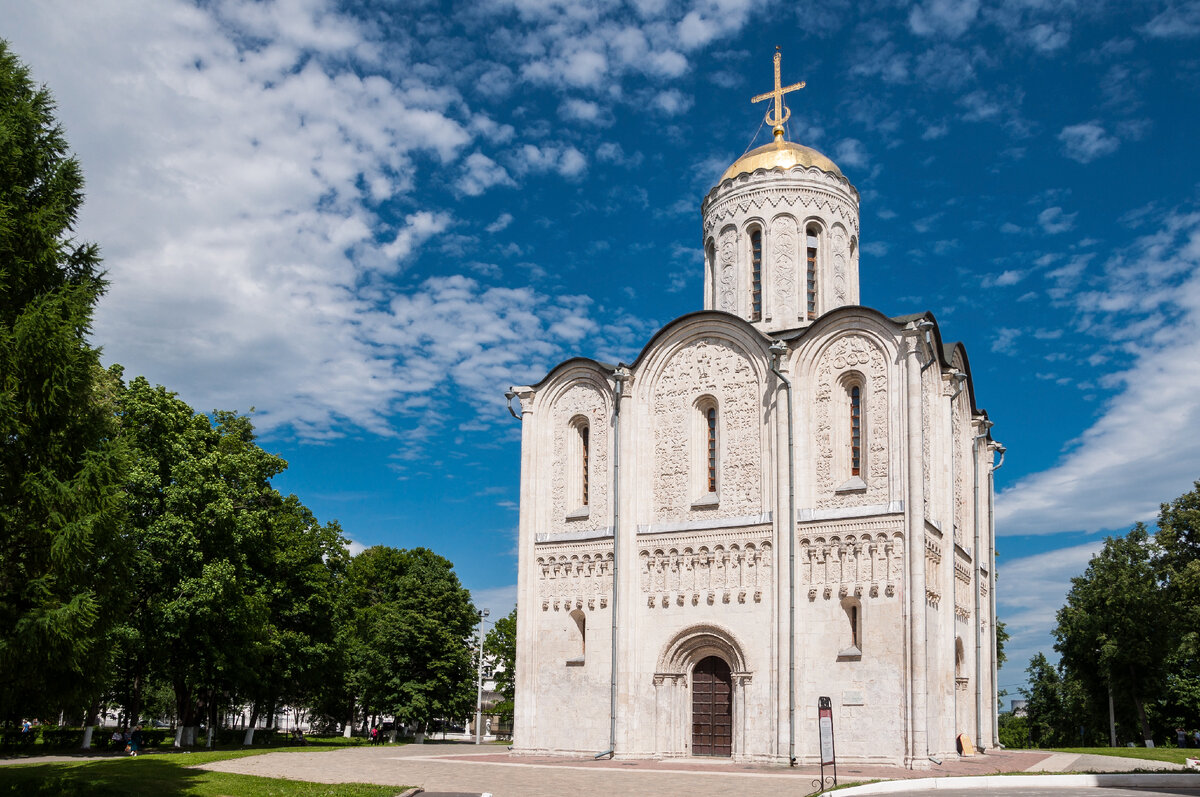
(712, 708)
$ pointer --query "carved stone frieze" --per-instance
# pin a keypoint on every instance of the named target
(783, 238)
(575, 579)
(581, 399)
(962, 467)
(861, 354)
(727, 271)
(707, 367)
(962, 589)
(805, 200)
(839, 245)
(692, 571)
(929, 392)
(851, 564)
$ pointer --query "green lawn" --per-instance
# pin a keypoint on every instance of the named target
(168, 774)
(1172, 754)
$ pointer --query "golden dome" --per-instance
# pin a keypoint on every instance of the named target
(780, 154)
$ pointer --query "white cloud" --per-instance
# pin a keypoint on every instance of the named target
(1029, 593)
(1087, 141)
(1005, 340)
(479, 173)
(1178, 21)
(418, 228)
(502, 221)
(574, 109)
(1138, 453)
(672, 102)
(236, 158)
(1047, 38)
(950, 18)
(851, 152)
(566, 161)
(1054, 220)
(1004, 278)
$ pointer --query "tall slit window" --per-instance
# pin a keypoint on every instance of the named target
(585, 451)
(811, 281)
(711, 420)
(756, 275)
(855, 430)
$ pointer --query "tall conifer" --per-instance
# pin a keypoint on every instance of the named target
(61, 463)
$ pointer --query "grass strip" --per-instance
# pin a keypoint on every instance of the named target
(169, 775)
(1172, 755)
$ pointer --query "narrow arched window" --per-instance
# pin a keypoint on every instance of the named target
(855, 430)
(756, 275)
(585, 450)
(811, 281)
(854, 627)
(711, 418)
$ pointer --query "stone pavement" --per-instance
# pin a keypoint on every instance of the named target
(471, 770)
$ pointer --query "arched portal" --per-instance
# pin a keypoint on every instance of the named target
(701, 693)
(712, 708)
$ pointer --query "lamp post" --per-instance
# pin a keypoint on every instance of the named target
(479, 683)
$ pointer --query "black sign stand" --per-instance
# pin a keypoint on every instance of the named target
(828, 751)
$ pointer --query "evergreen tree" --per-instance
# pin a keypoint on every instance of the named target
(61, 462)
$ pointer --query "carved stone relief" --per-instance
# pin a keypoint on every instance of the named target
(569, 580)
(928, 393)
(962, 466)
(784, 233)
(933, 561)
(807, 200)
(852, 353)
(713, 367)
(727, 258)
(580, 399)
(840, 247)
(962, 590)
(851, 564)
(706, 571)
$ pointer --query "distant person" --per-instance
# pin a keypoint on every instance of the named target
(135, 741)
(1196, 738)
(375, 735)
(25, 726)
(116, 739)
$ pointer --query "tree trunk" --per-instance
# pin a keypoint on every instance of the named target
(89, 723)
(1147, 739)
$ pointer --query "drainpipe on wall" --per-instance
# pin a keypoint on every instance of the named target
(778, 349)
(992, 592)
(975, 553)
(620, 376)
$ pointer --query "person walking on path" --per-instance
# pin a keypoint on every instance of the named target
(135, 741)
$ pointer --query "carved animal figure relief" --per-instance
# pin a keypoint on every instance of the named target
(707, 367)
(580, 399)
(861, 354)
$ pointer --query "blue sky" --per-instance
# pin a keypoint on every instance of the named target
(367, 219)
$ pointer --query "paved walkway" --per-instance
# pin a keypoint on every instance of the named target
(463, 769)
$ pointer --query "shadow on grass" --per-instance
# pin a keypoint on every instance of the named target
(141, 776)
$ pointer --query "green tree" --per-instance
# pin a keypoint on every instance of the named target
(1178, 565)
(501, 643)
(61, 462)
(1056, 706)
(1111, 631)
(205, 522)
(409, 640)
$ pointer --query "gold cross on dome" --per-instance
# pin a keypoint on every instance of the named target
(778, 113)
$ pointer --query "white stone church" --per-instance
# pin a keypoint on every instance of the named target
(786, 496)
